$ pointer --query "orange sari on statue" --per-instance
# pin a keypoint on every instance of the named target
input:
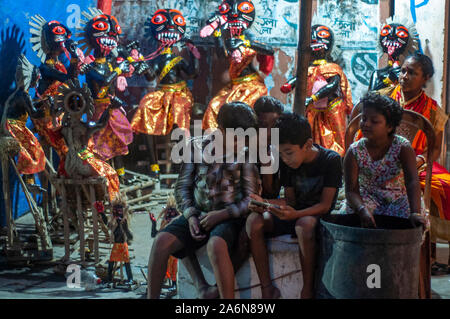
(328, 124)
(245, 89)
(440, 181)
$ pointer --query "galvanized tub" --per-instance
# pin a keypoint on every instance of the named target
(357, 262)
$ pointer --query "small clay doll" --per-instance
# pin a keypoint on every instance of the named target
(122, 237)
(169, 213)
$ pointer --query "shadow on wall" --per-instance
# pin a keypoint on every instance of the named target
(11, 46)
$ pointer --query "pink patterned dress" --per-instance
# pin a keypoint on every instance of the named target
(381, 183)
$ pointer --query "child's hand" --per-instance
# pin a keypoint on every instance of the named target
(212, 218)
(417, 220)
(367, 220)
(284, 212)
(194, 227)
(255, 208)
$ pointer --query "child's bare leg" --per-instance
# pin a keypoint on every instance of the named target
(164, 245)
(242, 252)
(204, 290)
(305, 228)
(222, 266)
(256, 225)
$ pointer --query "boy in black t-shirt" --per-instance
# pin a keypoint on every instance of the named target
(311, 176)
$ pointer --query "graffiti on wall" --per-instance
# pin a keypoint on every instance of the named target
(276, 21)
(355, 25)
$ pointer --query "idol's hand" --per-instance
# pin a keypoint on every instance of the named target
(124, 66)
(71, 46)
(234, 43)
(192, 48)
(308, 101)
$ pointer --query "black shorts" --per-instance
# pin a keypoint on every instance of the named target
(283, 227)
(228, 230)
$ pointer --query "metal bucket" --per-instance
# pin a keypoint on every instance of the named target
(357, 262)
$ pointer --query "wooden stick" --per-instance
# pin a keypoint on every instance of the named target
(66, 223)
(304, 53)
(143, 206)
(95, 221)
(137, 186)
(81, 224)
(7, 201)
(138, 199)
(145, 177)
(41, 225)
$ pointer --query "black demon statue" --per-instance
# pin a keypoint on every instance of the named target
(228, 26)
(171, 104)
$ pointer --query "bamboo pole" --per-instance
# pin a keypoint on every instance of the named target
(7, 201)
(37, 213)
(95, 221)
(304, 54)
(81, 225)
(65, 212)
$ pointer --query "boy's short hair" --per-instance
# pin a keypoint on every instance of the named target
(389, 108)
(293, 129)
(236, 115)
(268, 104)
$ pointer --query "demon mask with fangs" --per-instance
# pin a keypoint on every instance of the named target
(167, 26)
(48, 39)
(102, 32)
(239, 15)
(394, 39)
(321, 40)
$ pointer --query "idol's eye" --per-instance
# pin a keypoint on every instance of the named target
(323, 34)
(385, 31)
(246, 7)
(179, 20)
(100, 25)
(402, 33)
(117, 27)
(224, 8)
(59, 30)
(159, 19)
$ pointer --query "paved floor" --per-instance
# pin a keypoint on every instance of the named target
(42, 282)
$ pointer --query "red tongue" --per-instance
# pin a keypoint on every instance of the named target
(65, 50)
(391, 50)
